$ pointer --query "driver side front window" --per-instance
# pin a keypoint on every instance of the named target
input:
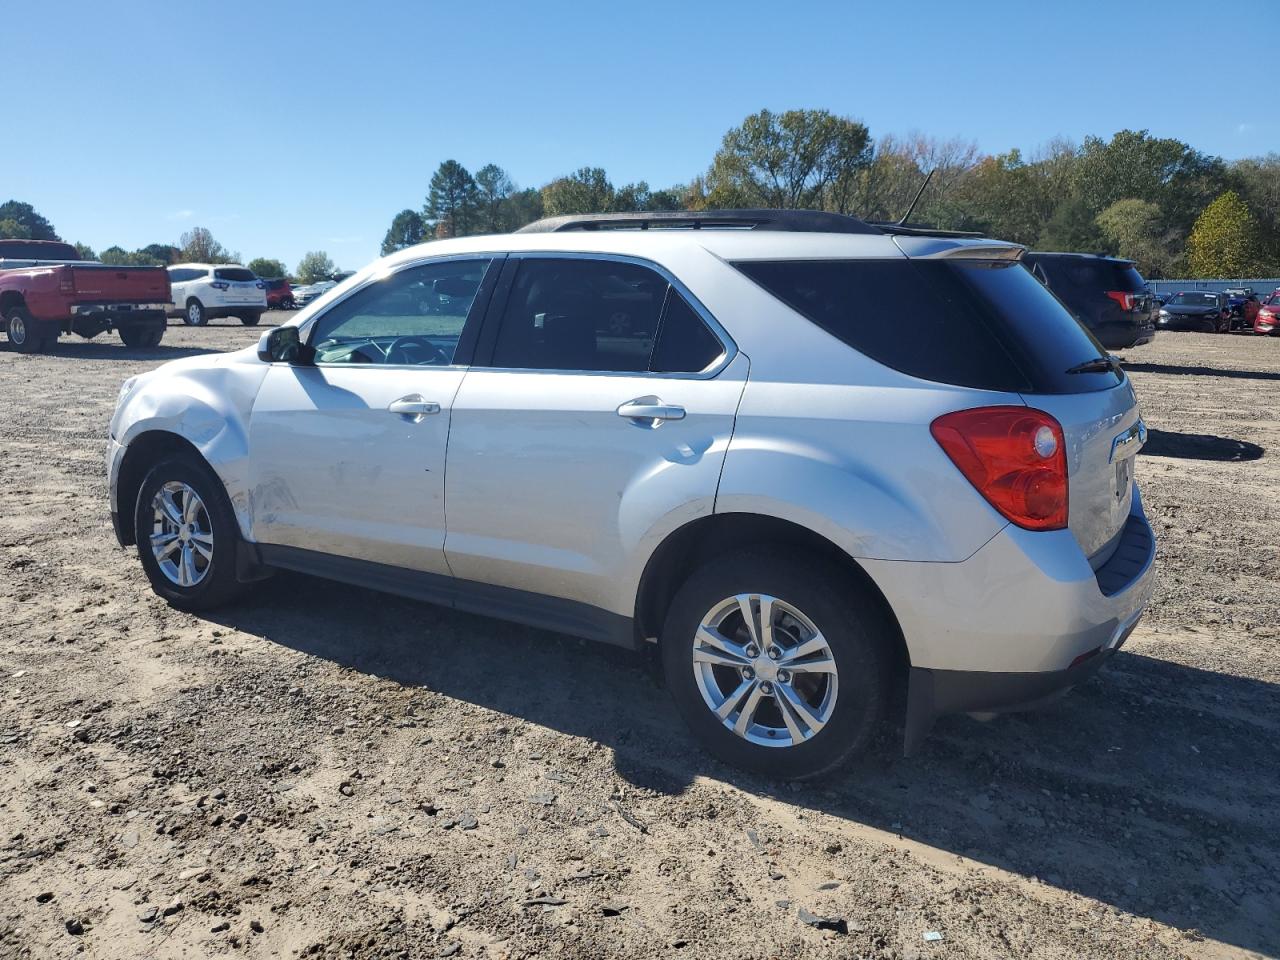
(414, 316)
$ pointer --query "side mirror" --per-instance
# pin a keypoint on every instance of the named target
(282, 345)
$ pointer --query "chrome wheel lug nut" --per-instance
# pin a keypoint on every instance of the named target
(784, 676)
(775, 653)
(766, 688)
(748, 673)
(752, 650)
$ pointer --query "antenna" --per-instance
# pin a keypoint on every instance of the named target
(919, 194)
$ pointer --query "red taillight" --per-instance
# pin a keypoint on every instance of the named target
(1015, 457)
(1126, 300)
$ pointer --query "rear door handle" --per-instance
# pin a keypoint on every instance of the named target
(650, 410)
(413, 407)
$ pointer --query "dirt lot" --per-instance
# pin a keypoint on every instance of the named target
(325, 772)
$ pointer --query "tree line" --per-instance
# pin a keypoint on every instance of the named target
(1174, 210)
(1158, 201)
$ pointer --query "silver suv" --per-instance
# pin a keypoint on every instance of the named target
(812, 459)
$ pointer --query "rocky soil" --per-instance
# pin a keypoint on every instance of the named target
(325, 772)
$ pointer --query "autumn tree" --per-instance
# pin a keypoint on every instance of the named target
(1135, 229)
(197, 245)
(1226, 241)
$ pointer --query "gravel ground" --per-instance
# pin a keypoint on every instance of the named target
(325, 772)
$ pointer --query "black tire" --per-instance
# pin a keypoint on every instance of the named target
(288, 304)
(251, 319)
(141, 334)
(24, 332)
(850, 622)
(194, 315)
(217, 583)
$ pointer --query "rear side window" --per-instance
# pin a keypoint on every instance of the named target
(984, 324)
(599, 315)
(234, 273)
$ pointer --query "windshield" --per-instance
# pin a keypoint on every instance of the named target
(1195, 300)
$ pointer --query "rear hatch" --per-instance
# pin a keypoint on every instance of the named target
(972, 316)
(239, 285)
(104, 283)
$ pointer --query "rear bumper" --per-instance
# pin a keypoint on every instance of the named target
(1021, 621)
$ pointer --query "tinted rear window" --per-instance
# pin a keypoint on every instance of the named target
(984, 324)
(234, 273)
(37, 250)
(1092, 273)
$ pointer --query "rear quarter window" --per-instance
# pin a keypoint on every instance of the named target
(984, 324)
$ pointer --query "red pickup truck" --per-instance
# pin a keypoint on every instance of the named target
(47, 290)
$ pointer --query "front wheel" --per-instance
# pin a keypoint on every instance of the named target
(187, 534)
(195, 315)
(776, 665)
(251, 319)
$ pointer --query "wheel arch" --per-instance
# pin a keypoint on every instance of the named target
(701, 540)
(10, 299)
(139, 456)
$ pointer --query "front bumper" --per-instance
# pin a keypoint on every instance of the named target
(115, 456)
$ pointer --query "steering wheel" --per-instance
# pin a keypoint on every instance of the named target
(415, 349)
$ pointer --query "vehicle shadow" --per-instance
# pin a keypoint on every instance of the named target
(1200, 371)
(1199, 446)
(115, 350)
(1151, 788)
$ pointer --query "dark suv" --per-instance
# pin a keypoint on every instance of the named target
(1106, 294)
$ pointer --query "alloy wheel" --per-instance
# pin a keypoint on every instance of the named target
(765, 670)
(182, 534)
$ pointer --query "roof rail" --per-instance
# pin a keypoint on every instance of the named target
(791, 221)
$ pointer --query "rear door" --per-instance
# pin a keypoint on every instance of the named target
(595, 420)
(347, 455)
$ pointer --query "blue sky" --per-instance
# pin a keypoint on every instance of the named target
(287, 127)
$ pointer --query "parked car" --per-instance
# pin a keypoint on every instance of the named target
(1106, 294)
(279, 294)
(206, 291)
(1268, 319)
(46, 290)
(802, 506)
(1203, 310)
(308, 292)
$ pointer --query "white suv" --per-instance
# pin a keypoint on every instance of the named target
(811, 458)
(206, 291)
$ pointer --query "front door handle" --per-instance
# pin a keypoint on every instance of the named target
(413, 407)
(650, 411)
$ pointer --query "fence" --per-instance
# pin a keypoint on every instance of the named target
(1261, 287)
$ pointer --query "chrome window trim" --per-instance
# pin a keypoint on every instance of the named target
(304, 326)
(728, 349)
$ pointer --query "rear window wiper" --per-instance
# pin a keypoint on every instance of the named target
(1096, 365)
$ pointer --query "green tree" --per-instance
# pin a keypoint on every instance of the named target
(791, 159)
(493, 190)
(162, 252)
(1073, 228)
(524, 206)
(85, 251)
(1135, 229)
(586, 190)
(407, 229)
(314, 267)
(451, 201)
(25, 214)
(197, 245)
(118, 256)
(264, 267)
(11, 229)
(1226, 240)
(1257, 180)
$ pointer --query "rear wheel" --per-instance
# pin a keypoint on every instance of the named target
(141, 334)
(251, 319)
(195, 315)
(25, 334)
(187, 534)
(776, 665)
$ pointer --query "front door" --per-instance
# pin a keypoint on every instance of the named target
(347, 454)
